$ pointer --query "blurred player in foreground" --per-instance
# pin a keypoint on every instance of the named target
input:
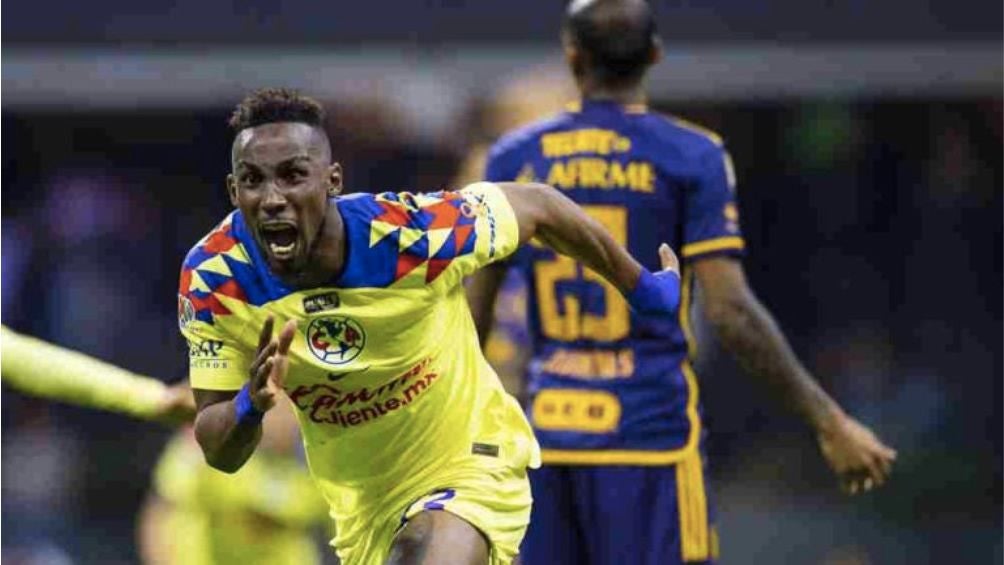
(196, 515)
(614, 400)
(264, 513)
(45, 370)
(414, 443)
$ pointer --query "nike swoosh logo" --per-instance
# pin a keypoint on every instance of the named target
(339, 376)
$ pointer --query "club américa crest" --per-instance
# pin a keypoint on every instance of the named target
(186, 311)
(335, 340)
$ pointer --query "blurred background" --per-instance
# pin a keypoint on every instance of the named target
(867, 139)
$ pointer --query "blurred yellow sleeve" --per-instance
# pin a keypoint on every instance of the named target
(279, 487)
(39, 368)
(177, 473)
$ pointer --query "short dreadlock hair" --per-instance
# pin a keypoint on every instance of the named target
(270, 105)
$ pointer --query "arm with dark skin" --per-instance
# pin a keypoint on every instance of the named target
(226, 443)
(744, 326)
(747, 330)
(482, 291)
(544, 213)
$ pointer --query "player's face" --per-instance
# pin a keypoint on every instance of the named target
(281, 180)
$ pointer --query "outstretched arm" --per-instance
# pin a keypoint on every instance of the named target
(559, 223)
(46, 370)
(747, 329)
(552, 218)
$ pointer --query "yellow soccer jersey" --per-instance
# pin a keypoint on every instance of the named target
(390, 387)
(261, 514)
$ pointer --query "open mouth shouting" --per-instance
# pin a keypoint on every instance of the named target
(280, 239)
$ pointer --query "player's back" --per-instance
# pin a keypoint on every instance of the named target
(608, 386)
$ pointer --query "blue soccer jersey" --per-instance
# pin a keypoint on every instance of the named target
(608, 387)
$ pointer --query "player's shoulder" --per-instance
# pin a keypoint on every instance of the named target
(221, 240)
(422, 210)
(403, 239)
(686, 138)
(224, 270)
(379, 213)
(527, 136)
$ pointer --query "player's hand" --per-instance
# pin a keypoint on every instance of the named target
(670, 262)
(268, 371)
(280, 359)
(658, 294)
(176, 406)
(860, 460)
(262, 391)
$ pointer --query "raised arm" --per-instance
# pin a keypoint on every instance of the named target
(544, 213)
(559, 223)
(228, 423)
(747, 330)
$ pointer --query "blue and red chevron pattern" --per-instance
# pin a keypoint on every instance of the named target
(399, 239)
(404, 238)
(221, 266)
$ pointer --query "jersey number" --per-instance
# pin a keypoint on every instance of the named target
(566, 321)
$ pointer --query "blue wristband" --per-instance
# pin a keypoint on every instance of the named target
(246, 412)
(656, 294)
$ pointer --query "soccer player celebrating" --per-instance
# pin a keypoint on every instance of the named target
(414, 444)
(614, 400)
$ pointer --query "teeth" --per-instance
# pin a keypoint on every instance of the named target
(280, 250)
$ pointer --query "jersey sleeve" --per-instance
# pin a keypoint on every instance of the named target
(404, 240)
(216, 360)
(711, 226)
(176, 475)
(48, 371)
(271, 485)
(495, 230)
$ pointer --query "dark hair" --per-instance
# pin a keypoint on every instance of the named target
(270, 105)
(617, 37)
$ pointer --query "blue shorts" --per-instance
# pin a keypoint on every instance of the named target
(613, 515)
